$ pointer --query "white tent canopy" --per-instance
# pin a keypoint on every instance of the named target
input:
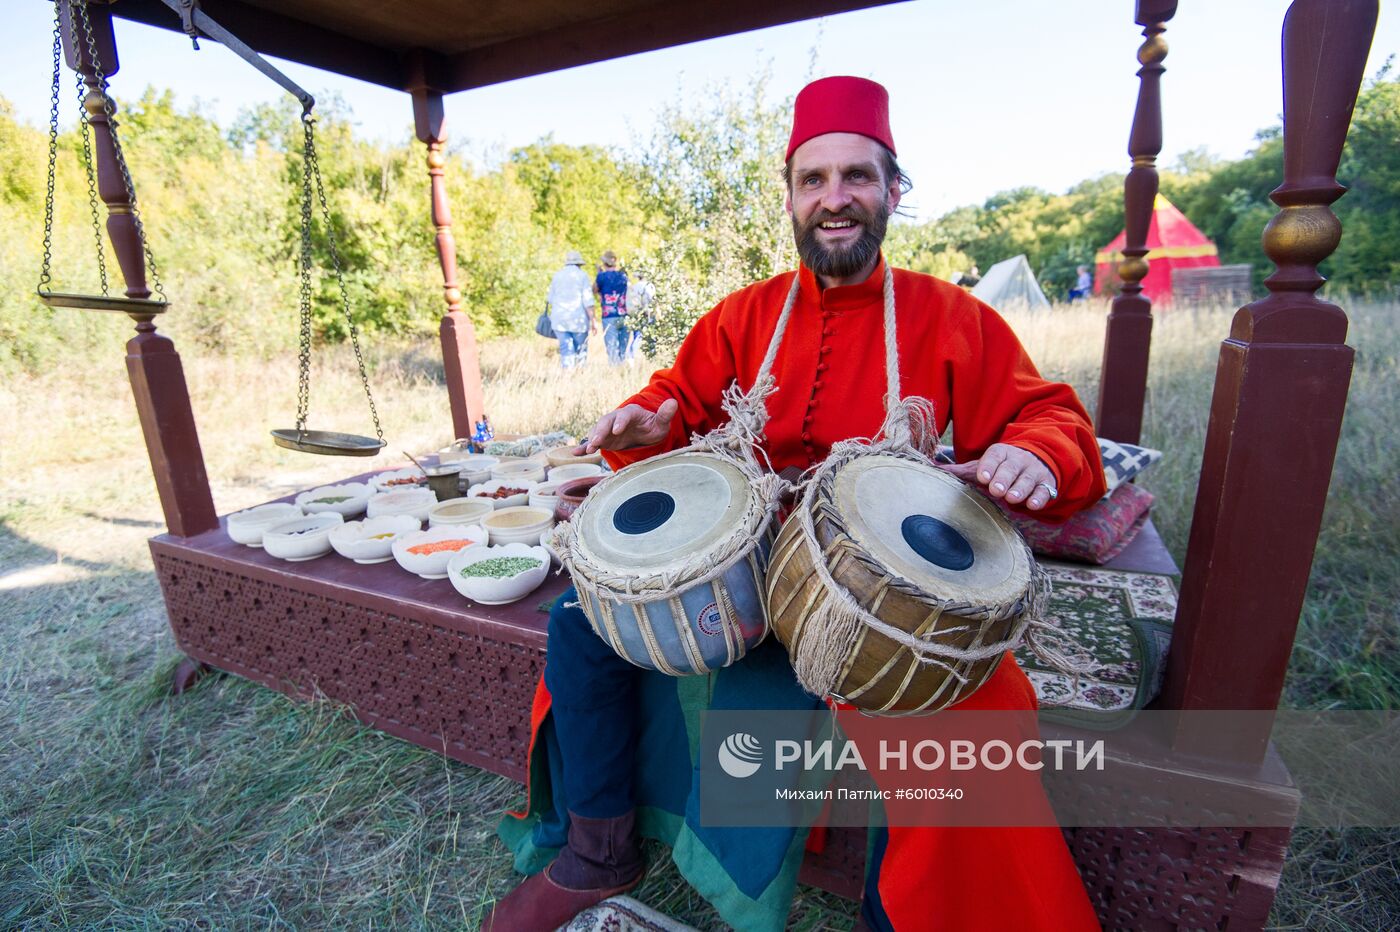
(1010, 285)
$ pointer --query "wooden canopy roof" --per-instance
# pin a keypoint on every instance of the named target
(453, 45)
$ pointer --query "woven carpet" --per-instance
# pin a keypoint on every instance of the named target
(624, 914)
(1124, 620)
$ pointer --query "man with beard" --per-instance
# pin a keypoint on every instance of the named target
(612, 740)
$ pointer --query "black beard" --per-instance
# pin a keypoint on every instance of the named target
(841, 261)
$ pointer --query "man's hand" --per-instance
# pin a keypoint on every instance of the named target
(1011, 473)
(629, 426)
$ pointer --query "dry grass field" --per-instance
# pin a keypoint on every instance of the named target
(232, 807)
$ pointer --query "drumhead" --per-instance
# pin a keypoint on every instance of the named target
(924, 525)
(661, 514)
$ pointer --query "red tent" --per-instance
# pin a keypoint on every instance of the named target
(1173, 243)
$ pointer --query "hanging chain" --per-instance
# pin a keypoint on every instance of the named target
(91, 41)
(304, 355)
(313, 170)
(85, 128)
(45, 273)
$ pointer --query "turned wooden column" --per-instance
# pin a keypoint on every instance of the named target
(1280, 390)
(1128, 336)
(460, 361)
(157, 377)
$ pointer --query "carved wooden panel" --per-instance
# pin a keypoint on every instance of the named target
(464, 695)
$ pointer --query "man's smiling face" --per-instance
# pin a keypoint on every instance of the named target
(840, 203)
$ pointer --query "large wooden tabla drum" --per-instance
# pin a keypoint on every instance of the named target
(668, 559)
(920, 552)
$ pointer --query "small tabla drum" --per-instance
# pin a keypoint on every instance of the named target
(919, 551)
(668, 559)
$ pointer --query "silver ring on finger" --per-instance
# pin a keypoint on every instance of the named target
(1050, 490)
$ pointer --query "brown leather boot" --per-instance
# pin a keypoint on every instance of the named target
(602, 859)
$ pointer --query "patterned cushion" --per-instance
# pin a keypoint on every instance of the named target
(1122, 461)
(1095, 535)
(1124, 622)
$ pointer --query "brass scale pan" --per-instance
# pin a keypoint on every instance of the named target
(101, 302)
(327, 442)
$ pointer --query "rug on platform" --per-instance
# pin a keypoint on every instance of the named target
(624, 914)
(1124, 620)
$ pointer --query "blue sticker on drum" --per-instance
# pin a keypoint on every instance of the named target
(710, 621)
(644, 512)
(937, 542)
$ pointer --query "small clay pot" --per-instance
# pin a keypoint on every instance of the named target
(571, 495)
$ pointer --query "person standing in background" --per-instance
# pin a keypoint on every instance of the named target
(1083, 284)
(571, 310)
(611, 288)
(640, 294)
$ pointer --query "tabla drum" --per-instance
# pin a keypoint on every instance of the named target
(923, 554)
(668, 558)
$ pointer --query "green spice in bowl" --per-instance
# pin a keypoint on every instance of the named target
(500, 567)
(500, 573)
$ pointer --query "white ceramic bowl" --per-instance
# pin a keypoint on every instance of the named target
(574, 471)
(371, 540)
(346, 499)
(434, 565)
(414, 502)
(518, 525)
(460, 511)
(476, 467)
(491, 591)
(547, 545)
(517, 471)
(303, 538)
(397, 479)
(247, 527)
(468, 479)
(542, 495)
(469, 461)
(482, 492)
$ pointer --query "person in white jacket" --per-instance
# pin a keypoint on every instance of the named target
(571, 310)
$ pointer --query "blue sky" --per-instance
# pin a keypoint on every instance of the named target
(984, 96)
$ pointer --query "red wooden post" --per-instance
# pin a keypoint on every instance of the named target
(1280, 389)
(460, 361)
(157, 378)
(1128, 336)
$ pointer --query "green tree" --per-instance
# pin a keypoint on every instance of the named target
(712, 186)
(1368, 258)
(586, 197)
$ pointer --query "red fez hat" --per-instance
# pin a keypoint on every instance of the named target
(841, 105)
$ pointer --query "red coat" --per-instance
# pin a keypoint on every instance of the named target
(830, 371)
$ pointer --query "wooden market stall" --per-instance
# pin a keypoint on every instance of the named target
(411, 658)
